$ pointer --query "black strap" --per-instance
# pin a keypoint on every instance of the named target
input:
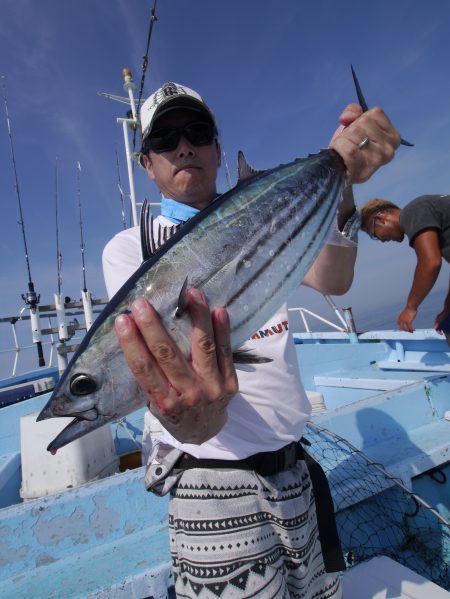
(333, 557)
(264, 463)
(267, 463)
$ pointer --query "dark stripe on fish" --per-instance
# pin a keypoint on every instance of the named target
(286, 275)
(315, 208)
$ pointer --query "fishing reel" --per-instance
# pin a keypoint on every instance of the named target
(31, 298)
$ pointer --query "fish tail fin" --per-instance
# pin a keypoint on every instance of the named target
(364, 106)
(361, 99)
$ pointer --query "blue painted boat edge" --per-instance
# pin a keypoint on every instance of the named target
(32, 375)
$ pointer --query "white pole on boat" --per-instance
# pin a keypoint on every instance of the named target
(125, 124)
(63, 332)
(87, 307)
(351, 329)
(335, 310)
(52, 343)
(85, 294)
(129, 87)
(17, 346)
(36, 332)
(130, 123)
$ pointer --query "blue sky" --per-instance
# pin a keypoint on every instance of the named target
(277, 76)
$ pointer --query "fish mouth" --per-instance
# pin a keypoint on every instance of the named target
(68, 434)
(74, 430)
(49, 412)
(61, 405)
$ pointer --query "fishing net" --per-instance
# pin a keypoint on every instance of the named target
(377, 514)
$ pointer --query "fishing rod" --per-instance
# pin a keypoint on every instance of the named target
(63, 331)
(85, 294)
(58, 250)
(31, 298)
(153, 19)
(119, 185)
(132, 121)
(82, 246)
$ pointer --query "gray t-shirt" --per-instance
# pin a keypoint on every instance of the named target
(428, 212)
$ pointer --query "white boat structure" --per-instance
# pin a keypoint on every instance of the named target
(81, 524)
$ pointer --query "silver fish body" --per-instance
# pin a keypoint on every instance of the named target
(247, 251)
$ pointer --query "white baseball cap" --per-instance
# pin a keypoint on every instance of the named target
(169, 97)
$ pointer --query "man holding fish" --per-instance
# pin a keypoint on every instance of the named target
(242, 512)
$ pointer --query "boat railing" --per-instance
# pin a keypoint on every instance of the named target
(304, 312)
(62, 324)
(346, 323)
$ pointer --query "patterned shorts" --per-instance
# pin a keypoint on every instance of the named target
(235, 534)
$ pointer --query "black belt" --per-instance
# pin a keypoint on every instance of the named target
(267, 463)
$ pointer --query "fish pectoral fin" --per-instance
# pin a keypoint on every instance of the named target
(365, 107)
(182, 300)
(245, 171)
(245, 356)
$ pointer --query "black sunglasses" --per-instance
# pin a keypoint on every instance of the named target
(168, 138)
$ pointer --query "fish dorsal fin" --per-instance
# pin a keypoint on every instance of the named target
(151, 241)
(245, 171)
(143, 229)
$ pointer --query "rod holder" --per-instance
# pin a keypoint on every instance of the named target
(350, 324)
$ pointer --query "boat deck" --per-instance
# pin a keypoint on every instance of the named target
(398, 417)
(108, 538)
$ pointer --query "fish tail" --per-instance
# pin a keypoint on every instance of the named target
(364, 106)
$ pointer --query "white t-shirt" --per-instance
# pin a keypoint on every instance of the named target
(271, 407)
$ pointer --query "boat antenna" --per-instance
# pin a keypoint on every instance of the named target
(119, 185)
(82, 246)
(58, 250)
(31, 298)
(153, 19)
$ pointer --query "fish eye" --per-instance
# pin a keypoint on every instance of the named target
(82, 384)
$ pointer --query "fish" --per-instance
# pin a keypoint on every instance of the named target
(247, 251)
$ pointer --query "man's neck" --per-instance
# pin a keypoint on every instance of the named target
(177, 212)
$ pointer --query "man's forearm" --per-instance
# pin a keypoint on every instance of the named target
(447, 299)
(332, 272)
(425, 277)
